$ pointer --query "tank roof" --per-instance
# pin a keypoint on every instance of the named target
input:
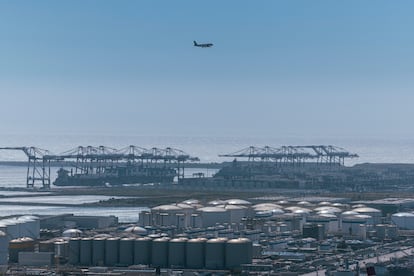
(136, 230)
(266, 206)
(366, 210)
(238, 202)
(239, 240)
(403, 214)
(211, 209)
(328, 209)
(232, 207)
(166, 208)
(216, 202)
(191, 201)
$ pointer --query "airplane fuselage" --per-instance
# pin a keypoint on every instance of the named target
(203, 45)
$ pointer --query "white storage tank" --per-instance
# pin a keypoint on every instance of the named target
(215, 253)
(74, 251)
(137, 230)
(305, 203)
(4, 248)
(98, 251)
(159, 252)
(72, 233)
(321, 220)
(126, 251)
(176, 253)
(266, 206)
(13, 228)
(374, 213)
(216, 202)
(212, 215)
(328, 209)
(196, 221)
(238, 202)
(191, 201)
(85, 257)
(145, 218)
(404, 221)
(238, 251)
(165, 215)
(351, 225)
(111, 251)
(142, 251)
(32, 226)
(236, 212)
(195, 256)
(334, 225)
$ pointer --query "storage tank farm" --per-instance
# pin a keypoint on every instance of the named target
(140, 246)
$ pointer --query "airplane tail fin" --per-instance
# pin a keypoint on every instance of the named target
(195, 43)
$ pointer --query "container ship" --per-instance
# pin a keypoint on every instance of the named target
(113, 176)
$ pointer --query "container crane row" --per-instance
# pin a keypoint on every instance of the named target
(90, 159)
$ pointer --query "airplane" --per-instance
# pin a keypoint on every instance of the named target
(203, 45)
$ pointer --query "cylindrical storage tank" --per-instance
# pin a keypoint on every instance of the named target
(238, 251)
(403, 221)
(142, 251)
(381, 231)
(145, 218)
(72, 233)
(4, 248)
(126, 251)
(85, 255)
(98, 251)
(351, 224)
(374, 213)
(392, 232)
(47, 246)
(33, 226)
(212, 215)
(61, 249)
(3, 228)
(111, 251)
(20, 245)
(13, 228)
(159, 252)
(215, 253)
(195, 256)
(176, 253)
(74, 251)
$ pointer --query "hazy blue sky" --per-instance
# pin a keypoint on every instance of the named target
(277, 67)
